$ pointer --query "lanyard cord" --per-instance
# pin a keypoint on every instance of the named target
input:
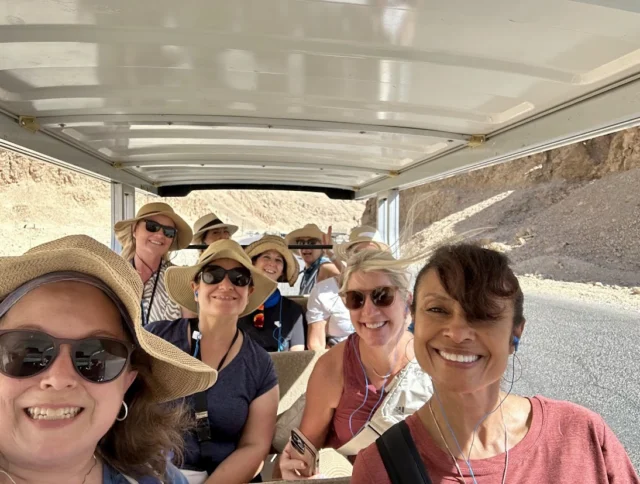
(196, 353)
(145, 320)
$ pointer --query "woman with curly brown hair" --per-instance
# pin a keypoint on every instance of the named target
(82, 384)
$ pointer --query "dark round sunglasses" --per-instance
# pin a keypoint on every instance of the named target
(24, 354)
(153, 227)
(382, 297)
(239, 276)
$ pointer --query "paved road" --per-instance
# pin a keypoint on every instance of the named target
(587, 353)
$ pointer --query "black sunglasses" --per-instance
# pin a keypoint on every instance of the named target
(382, 297)
(308, 242)
(153, 227)
(24, 354)
(239, 276)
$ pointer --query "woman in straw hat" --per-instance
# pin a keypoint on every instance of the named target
(236, 418)
(348, 382)
(278, 324)
(329, 321)
(317, 266)
(209, 229)
(146, 242)
(81, 382)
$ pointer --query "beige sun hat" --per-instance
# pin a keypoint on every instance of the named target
(209, 222)
(174, 373)
(273, 242)
(178, 279)
(124, 228)
(365, 233)
(311, 231)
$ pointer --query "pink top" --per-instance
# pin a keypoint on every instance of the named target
(353, 392)
(566, 443)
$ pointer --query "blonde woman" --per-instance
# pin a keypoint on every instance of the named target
(82, 385)
(146, 243)
(328, 319)
(347, 384)
(236, 418)
(278, 324)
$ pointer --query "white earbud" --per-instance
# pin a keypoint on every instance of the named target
(277, 324)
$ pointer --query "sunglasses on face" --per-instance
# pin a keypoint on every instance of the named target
(308, 242)
(381, 297)
(239, 276)
(153, 227)
(24, 354)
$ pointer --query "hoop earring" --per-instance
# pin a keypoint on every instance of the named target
(126, 412)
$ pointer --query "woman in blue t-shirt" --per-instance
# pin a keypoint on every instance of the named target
(278, 324)
(235, 420)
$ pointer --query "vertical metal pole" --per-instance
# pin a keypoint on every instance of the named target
(393, 222)
(389, 220)
(123, 206)
(382, 217)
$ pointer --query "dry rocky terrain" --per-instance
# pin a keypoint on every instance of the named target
(571, 214)
(40, 202)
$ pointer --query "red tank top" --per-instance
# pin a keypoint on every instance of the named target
(352, 401)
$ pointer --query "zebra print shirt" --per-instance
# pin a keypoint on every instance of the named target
(163, 308)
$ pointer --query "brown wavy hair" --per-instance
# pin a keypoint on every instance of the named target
(142, 443)
(478, 278)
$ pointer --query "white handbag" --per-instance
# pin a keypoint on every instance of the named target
(406, 393)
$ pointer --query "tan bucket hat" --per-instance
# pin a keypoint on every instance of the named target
(209, 222)
(273, 242)
(178, 279)
(174, 373)
(124, 228)
(365, 233)
(311, 231)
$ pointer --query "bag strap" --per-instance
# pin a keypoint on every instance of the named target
(400, 456)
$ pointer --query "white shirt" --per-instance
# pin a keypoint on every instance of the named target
(326, 305)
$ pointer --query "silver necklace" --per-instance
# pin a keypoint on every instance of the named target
(455, 461)
(95, 461)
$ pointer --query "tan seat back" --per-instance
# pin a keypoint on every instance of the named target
(302, 300)
(293, 369)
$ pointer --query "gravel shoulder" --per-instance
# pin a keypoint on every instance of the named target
(615, 296)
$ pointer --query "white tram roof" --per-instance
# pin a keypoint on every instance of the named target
(348, 97)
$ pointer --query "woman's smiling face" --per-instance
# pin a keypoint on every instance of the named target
(70, 310)
(461, 356)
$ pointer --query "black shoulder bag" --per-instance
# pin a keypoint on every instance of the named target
(400, 456)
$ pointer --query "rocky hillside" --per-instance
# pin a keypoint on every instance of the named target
(571, 213)
(41, 201)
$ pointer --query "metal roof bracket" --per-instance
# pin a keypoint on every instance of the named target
(476, 140)
(30, 123)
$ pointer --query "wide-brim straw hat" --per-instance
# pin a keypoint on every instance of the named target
(365, 233)
(124, 228)
(209, 222)
(310, 231)
(178, 279)
(273, 242)
(174, 373)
